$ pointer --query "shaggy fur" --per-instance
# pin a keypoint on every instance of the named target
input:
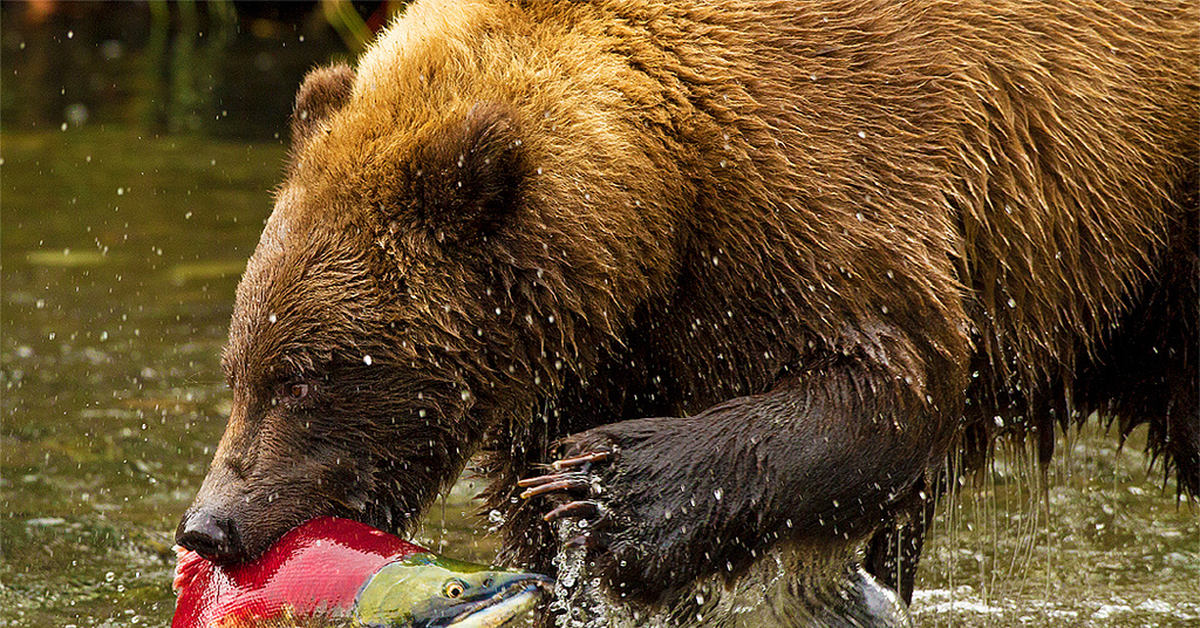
(828, 241)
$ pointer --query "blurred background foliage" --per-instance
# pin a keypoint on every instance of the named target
(220, 68)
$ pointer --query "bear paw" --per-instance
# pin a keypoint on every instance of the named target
(609, 481)
(574, 491)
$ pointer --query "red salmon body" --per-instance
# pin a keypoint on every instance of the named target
(317, 568)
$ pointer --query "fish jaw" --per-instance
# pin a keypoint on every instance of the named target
(506, 605)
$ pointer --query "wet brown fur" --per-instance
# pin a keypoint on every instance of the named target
(842, 237)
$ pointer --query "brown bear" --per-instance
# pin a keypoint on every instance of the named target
(754, 269)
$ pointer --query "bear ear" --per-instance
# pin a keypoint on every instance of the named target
(324, 91)
(466, 178)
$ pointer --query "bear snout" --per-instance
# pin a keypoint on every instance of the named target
(214, 537)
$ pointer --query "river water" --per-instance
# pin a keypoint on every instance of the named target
(123, 238)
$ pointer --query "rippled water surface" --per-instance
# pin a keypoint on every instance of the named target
(121, 248)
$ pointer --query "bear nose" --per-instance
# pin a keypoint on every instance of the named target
(212, 537)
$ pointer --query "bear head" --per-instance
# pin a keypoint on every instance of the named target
(447, 248)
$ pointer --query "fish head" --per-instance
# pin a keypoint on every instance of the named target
(425, 590)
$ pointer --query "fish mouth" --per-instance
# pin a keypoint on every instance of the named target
(500, 604)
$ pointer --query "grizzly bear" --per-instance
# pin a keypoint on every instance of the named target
(752, 271)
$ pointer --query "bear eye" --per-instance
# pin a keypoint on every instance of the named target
(454, 589)
(292, 391)
(297, 391)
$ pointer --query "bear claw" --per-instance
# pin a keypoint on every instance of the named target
(572, 489)
(585, 460)
(583, 509)
(544, 484)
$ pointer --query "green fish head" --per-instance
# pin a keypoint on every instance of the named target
(425, 590)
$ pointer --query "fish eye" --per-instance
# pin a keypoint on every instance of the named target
(454, 588)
